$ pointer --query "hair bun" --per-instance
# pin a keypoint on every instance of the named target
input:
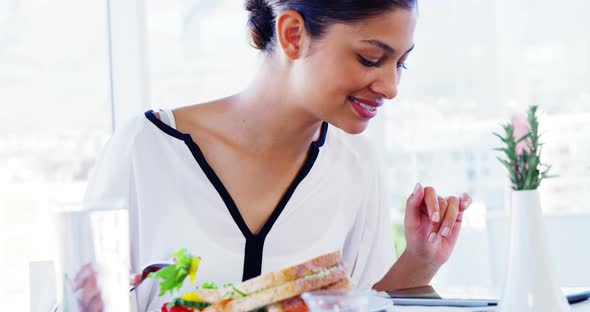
(260, 23)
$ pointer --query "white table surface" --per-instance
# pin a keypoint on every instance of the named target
(578, 307)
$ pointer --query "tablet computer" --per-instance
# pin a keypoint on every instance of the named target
(473, 297)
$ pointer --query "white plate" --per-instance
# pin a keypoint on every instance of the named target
(379, 304)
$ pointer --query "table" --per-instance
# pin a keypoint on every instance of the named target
(578, 307)
(429, 291)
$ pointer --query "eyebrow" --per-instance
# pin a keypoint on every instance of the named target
(385, 46)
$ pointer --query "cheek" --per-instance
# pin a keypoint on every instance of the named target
(339, 78)
(358, 78)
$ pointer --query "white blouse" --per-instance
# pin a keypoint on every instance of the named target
(176, 200)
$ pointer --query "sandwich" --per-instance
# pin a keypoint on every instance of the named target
(275, 291)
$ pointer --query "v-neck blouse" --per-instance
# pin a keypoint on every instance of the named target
(176, 200)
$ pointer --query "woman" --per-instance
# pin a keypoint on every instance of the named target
(274, 175)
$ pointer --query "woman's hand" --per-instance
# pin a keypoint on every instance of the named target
(86, 283)
(432, 225)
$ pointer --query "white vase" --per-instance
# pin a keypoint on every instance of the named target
(531, 283)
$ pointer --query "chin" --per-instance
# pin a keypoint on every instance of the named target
(351, 127)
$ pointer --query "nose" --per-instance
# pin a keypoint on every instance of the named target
(386, 84)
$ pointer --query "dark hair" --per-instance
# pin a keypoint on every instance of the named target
(318, 15)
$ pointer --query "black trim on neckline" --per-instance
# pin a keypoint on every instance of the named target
(323, 133)
(254, 242)
(166, 128)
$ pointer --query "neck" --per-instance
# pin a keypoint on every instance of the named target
(271, 116)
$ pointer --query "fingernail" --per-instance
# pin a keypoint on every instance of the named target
(445, 231)
(432, 237)
(416, 189)
(435, 217)
(466, 202)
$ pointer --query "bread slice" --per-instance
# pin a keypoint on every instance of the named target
(312, 266)
(344, 283)
(287, 290)
(274, 278)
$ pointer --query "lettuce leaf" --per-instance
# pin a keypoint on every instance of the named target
(172, 277)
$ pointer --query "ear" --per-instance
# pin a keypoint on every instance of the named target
(291, 33)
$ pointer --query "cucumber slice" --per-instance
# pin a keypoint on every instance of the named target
(192, 304)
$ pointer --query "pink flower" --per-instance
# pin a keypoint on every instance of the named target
(521, 128)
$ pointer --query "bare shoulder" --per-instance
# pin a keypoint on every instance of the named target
(202, 117)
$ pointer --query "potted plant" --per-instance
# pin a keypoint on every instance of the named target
(531, 283)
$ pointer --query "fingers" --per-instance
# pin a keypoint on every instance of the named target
(444, 214)
(89, 290)
(95, 305)
(85, 272)
(465, 201)
(90, 299)
(412, 216)
(458, 223)
(135, 279)
(452, 212)
(442, 203)
(432, 206)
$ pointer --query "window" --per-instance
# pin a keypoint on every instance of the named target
(198, 51)
(476, 64)
(55, 118)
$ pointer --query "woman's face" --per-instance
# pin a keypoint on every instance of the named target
(348, 73)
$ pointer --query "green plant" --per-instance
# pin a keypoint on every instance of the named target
(523, 155)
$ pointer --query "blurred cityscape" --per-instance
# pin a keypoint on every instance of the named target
(459, 158)
(476, 64)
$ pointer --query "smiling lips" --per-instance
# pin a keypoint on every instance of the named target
(365, 108)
